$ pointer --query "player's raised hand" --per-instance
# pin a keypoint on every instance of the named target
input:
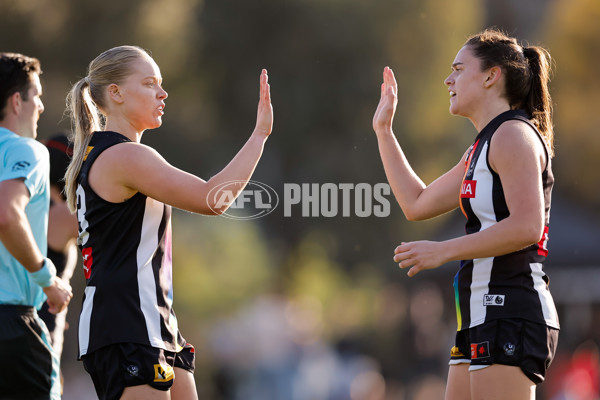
(264, 116)
(384, 115)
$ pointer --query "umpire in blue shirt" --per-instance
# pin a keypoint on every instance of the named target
(28, 367)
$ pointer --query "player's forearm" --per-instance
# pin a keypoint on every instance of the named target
(240, 168)
(506, 236)
(16, 236)
(405, 184)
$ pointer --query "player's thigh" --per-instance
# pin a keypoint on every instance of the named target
(144, 392)
(184, 385)
(458, 386)
(501, 382)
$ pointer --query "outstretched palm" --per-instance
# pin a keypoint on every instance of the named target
(384, 115)
(264, 116)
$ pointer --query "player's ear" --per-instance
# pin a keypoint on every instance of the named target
(14, 103)
(493, 75)
(114, 93)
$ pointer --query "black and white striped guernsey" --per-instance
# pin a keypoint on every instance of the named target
(126, 249)
(509, 286)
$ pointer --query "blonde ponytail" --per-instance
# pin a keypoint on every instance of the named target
(85, 119)
(86, 105)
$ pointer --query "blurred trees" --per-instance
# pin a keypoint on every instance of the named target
(573, 34)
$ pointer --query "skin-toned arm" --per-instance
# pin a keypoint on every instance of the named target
(518, 156)
(138, 168)
(62, 235)
(15, 231)
(418, 201)
(62, 227)
(16, 236)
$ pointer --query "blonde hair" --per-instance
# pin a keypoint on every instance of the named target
(86, 102)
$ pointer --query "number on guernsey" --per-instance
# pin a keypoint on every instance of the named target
(83, 224)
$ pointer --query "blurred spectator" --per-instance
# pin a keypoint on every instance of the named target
(274, 349)
(579, 379)
(62, 232)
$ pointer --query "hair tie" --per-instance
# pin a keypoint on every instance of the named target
(87, 80)
(528, 52)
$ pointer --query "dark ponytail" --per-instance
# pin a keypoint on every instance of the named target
(538, 102)
(527, 73)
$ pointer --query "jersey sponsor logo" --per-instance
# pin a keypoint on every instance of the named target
(86, 253)
(467, 190)
(493, 300)
(20, 165)
(480, 350)
(163, 374)
(543, 243)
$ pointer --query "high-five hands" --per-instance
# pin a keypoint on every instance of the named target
(384, 115)
(264, 116)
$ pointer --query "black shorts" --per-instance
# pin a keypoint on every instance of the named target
(512, 341)
(48, 318)
(117, 366)
(28, 366)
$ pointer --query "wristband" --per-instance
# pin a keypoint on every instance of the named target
(45, 275)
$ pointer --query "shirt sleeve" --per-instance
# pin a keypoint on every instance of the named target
(27, 160)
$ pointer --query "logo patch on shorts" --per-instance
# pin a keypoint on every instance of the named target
(480, 350)
(493, 300)
(163, 374)
(133, 370)
(509, 349)
(455, 352)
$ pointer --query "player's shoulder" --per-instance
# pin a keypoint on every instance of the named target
(515, 133)
(129, 157)
(26, 148)
(129, 151)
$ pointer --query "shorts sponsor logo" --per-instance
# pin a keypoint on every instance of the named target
(467, 190)
(455, 352)
(133, 370)
(493, 300)
(480, 350)
(163, 374)
(509, 349)
(20, 165)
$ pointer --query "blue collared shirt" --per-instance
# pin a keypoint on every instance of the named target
(27, 159)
